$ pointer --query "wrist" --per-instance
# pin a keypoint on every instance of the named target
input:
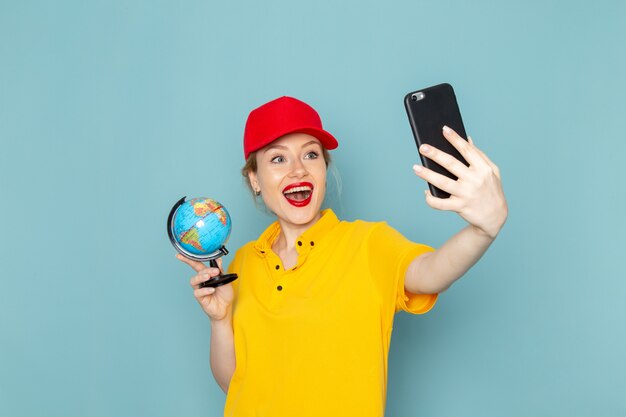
(491, 235)
(492, 231)
(227, 321)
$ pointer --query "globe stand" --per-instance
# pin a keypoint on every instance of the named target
(220, 279)
(217, 281)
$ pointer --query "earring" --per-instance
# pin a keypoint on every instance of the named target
(257, 192)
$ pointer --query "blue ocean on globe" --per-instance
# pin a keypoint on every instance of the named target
(201, 226)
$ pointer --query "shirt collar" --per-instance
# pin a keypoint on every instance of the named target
(307, 240)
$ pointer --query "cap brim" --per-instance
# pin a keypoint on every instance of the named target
(327, 140)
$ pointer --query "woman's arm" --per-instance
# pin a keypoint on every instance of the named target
(217, 303)
(222, 351)
(477, 197)
(434, 272)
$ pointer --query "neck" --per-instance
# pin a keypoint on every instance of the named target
(290, 232)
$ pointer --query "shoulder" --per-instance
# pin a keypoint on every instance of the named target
(241, 254)
(367, 227)
(381, 234)
(246, 247)
(352, 229)
(360, 225)
(362, 233)
(245, 250)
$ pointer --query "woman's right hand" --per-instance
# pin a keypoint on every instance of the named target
(216, 302)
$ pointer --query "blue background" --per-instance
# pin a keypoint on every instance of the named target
(112, 111)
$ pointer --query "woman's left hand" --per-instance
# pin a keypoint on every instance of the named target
(477, 193)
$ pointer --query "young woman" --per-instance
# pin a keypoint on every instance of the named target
(305, 330)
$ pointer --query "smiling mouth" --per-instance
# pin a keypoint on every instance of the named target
(299, 194)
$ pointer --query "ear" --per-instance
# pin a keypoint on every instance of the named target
(254, 181)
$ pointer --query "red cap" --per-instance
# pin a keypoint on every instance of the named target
(279, 117)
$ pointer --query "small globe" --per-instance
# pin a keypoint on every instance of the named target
(199, 228)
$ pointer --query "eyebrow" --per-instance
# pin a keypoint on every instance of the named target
(285, 148)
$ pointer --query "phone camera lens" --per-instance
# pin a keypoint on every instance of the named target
(413, 97)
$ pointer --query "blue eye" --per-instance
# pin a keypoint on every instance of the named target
(312, 155)
(277, 159)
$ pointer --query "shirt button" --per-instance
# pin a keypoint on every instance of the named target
(299, 243)
(277, 267)
(279, 288)
(312, 243)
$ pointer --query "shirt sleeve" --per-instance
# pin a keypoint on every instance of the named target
(390, 255)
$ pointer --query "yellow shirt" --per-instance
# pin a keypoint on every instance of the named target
(314, 340)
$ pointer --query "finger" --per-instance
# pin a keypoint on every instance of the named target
(461, 145)
(446, 160)
(197, 266)
(203, 276)
(483, 155)
(493, 166)
(203, 292)
(445, 204)
(446, 184)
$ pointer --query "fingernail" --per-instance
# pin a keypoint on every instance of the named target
(446, 129)
(425, 148)
(417, 168)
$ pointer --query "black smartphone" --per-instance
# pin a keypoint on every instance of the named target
(429, 110)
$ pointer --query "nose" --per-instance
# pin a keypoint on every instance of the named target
(297, 169)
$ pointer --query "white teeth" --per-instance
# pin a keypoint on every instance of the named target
(298, 189)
